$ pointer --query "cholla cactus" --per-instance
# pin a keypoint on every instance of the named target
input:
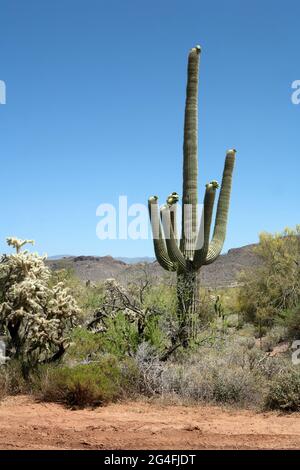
(17, 243)
(187, 255)
(34, 316)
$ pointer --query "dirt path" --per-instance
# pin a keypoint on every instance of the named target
(25, 424)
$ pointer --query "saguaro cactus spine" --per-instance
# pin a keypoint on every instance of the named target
(185, 256)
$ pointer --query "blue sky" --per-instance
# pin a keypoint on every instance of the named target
(95, 103)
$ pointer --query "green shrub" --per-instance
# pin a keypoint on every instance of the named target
(121, 337)
(83, 385)
(291, 319)
(85, 346)
(162, 297)
(284, 391)
(270, 289)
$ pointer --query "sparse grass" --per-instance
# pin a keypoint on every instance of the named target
(11, 379)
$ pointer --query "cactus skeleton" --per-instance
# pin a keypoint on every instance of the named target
(185, 256)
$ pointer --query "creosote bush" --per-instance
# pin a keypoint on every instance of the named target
(90, 384)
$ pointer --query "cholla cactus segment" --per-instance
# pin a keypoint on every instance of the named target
(35, 316)
(17, 243)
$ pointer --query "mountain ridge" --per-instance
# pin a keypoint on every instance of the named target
(222, 273)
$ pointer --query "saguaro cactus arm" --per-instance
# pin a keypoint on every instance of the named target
(172, 203)
(208, 206)
(160, 248)
(219, 234)
(174, 251)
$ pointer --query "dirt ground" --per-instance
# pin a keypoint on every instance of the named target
(26, 424)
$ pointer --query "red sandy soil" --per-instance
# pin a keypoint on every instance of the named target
(27, 424)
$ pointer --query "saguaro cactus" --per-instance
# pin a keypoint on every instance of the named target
(187, 255)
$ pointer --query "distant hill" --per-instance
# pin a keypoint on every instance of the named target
(145, 259)
(127, 260)
(55, 257)
(222, 273)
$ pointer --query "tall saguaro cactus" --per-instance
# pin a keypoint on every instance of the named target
(187, 255)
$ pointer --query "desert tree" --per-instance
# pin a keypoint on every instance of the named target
(273, 288)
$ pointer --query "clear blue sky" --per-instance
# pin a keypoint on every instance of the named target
(95, 102)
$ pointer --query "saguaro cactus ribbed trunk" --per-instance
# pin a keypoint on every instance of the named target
(187, 255)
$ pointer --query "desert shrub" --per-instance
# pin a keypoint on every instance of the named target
(211, 384)
(224, 373)
(274, 336)
(270, 367)
(12, 381)
(291, 319)
(84, 346)
(284, 391)
(35, 316)
(273, 287)
(162, 297)
(149, 369)
(89, 297)
(125, 319)
(82, 385)
(120, 338)
(16, 383)
(3, 383)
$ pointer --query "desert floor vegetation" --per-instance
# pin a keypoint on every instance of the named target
(85, 345)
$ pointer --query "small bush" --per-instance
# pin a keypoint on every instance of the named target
(226, 372)
(291, 318)
(11, 379)
(284, 391)
(274, 336)
(83, 385)
(3, 384)
(149, 369)
(273, 287)
(85, 346)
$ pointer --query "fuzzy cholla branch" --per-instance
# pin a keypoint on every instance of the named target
(17, 243)
(35, 316)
